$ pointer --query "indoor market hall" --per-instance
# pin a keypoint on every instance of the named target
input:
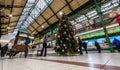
(59, 34)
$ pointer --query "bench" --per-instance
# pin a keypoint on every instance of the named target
(38, 52)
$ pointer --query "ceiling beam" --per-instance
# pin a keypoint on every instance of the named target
(11, 29)
(85, 8)
(11, 9)
(52, 10)
(69, 15)
(21, 12)
(13, 21)
(59, 10)
(33, 6)
(53, 15)
(69, 5)
(9, 6)
(45, 19)
(38, 27)
(8, 16)
(9, 22)
(34, 28)
(13, 25)
(37, 23)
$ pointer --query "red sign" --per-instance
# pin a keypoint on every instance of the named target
(118, 19)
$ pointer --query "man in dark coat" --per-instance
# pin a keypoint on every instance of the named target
(3, 50)
(98, 47)
(80, 45)
(44, 48)
(85, 46)
(0, 46)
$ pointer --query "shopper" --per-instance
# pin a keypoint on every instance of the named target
(85, 47)
(4, 50)
(80, 45)
(27, 41)
(44, 48)
(0, 46)
(98, 47)
(116, 42)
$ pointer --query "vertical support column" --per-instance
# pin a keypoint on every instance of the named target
(88, 20)
(51, 37)
(16, 39)
(39, 40)
(0, 20)
(98, 9)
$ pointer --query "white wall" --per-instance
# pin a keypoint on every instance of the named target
(6, 38)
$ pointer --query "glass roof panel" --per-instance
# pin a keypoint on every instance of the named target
(81, 18)
(32, 10)
(109, 5)
(105, 7)
(73, 22)
(91, 13)
(25, 12)
(25, 24)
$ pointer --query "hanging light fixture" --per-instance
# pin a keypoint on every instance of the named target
(42, 26)
(60, 13)
(10, 15)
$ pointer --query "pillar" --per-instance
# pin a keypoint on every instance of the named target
(98, 9)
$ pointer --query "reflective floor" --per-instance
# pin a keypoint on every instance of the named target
(91, 61)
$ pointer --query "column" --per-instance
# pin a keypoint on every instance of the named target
(98, 9)
(51, 37)
(39, 40)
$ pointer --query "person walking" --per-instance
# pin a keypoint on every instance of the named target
(44, 48)
(117, 44)
(27, 42)
(0, 46)
(80, 45)
(4, 50)
(98, 47)
(85, 47)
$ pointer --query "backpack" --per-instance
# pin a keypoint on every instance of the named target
(116, 42)
(27, 41)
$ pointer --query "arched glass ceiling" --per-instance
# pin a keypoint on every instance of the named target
(31, 11)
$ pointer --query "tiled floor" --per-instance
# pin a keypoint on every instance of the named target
(91, 61)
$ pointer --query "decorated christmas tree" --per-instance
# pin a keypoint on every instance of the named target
(65, 41)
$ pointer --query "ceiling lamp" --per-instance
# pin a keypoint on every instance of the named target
(42, 26)
(8, 27)
(10, 15)
(60, 13)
